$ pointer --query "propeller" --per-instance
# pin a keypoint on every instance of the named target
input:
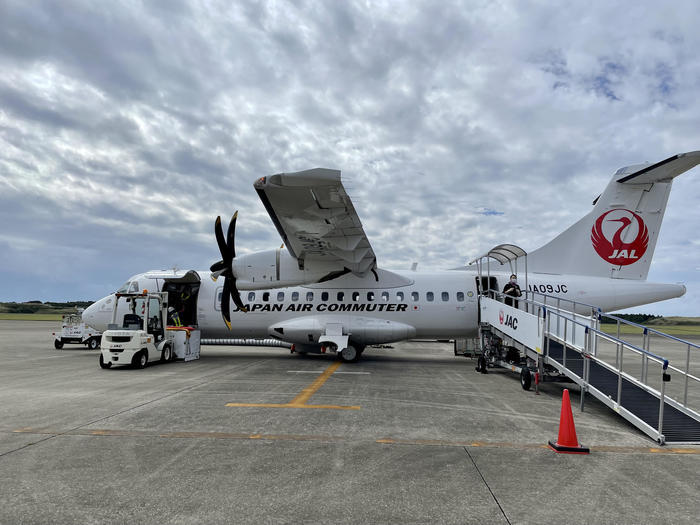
(225, 267)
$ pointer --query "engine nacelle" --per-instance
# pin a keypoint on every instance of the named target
(362, 330)
(277, 269)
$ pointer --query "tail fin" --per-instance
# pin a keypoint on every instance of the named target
(617, 238)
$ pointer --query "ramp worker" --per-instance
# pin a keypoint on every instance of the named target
(174, 317)
(512, 289)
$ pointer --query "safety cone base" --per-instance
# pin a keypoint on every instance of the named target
(556, 447)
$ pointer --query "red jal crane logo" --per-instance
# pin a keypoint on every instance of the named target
(617, 251)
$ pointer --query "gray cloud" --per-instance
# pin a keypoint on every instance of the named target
(126, 127)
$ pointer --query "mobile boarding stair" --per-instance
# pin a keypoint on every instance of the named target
(546, 338)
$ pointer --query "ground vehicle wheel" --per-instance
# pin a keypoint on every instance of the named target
(349, 354)
(93, 343)
(481, 365)
(140, 359)
(103, 364)
(57, 344)
(525, 378)
(166, 355)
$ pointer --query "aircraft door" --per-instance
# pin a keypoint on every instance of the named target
(486, 283)
(183, 293)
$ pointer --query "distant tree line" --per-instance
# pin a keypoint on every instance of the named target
(69, 304)
(22, 308)
(635, 318)
(32, 307)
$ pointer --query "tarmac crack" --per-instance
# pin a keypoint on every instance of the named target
(487, 486)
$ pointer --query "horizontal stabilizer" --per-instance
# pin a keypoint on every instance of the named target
(662, 171)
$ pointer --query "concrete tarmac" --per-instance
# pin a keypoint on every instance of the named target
(410, 434)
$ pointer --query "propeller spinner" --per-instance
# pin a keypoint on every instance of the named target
(225, 267)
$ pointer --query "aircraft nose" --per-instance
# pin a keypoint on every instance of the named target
(99, 313)
(90, 314)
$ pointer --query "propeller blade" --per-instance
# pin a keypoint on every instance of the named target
(231, 236)
(225, 303)
(227, 247)
(237, 297)
(217, 267)
(220, 240)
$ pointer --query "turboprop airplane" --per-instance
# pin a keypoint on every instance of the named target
(324, 290)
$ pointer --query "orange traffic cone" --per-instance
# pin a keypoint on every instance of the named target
(567, 442)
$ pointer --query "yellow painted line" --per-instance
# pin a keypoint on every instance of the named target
(301, 400)
(265, 405)
(310, 390)
(345, 439)
(496, 444)
(293, 405)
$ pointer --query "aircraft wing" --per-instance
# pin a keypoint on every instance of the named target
(316, 219)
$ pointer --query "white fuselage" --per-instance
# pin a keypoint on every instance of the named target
(400, 305)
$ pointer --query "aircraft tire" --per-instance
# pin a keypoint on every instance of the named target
(93, 343)
(103, 364)
(166, 355)
(525, 378)
(57, 344)
(349, 354)
(140, 359)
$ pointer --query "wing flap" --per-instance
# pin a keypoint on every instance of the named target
(316, 219)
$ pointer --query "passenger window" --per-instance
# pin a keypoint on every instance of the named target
(324, 296)
(445, 296)
(266, 296)
(340, 296)
(430, 296)
(460, 297)
(309, 296)
(370, 296)
(399, 296)
(414, 296)
(280, 296)
(355, 296)
(251, 296)
(385, 296)
(295, 296)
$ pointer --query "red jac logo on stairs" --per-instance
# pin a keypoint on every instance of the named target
(616, 251)
(508, 320)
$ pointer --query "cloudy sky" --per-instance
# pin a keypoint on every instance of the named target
(127, 127)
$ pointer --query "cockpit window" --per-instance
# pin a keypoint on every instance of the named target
(124, 288)
(134, 287)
